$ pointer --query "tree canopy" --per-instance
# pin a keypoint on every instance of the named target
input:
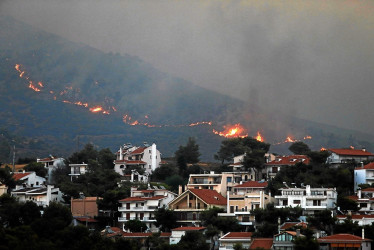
(299, 148)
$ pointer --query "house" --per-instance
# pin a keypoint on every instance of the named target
(177, 233)
(365, 200)
(28, 179)
(274, 166)
(84, 210)
(77, 170)
(228, 240)
(309, 199)
(111, 232)
(286, 226)
(51, 163)
(361, 219)
(147, 158)
(262, 243)
(142, 204)
(42, 195)
(284, 240)
(244, 198)
(219, 182)
(364, 175)
(350, 155)
(192, 202)
(344, 241)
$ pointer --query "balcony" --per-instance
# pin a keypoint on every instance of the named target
(144, 219)
(144, 208)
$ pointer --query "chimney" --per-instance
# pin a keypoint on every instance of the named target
(179, 189)
(363, 233)
(154, 157)
(298, 232)
(359, 193)
(364, 149)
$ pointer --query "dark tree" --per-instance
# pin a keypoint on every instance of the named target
(323, 220)
(6, 178)
(37, 167)
(190, 152)
(299, 148)
(165, 219)
(193, 240)
(135, 226)
(318, 157)
(164, 171)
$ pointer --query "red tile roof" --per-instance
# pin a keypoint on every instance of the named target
(138, 151)
(348, 151)
(290, 160)
(86, 220)
(263, 243)
(188, 228)
(45, 159)
(353, 197)
(253, 184)
(342, 238)
(209, 196)
(18, 176)
(158, 197)
(368, 190)
(367, 166)
(236, 235)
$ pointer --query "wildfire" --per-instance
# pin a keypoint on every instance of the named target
(351, 147)
(235, 131)
(323, 149)
(200, 123)
(259, 137)
(96, 109)
(31, 86)
(308, 137)
(289, 139)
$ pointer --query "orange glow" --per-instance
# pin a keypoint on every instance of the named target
(233, 131)
(31, 86)
(323, 149)
(40, 84)
(96, 109)
(308, 137)
(200, 123)
(351, 147)
(17, 67)
(259, 137)
(114, 109)
(289, 139)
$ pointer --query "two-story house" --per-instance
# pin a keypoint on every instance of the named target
(309, 199)
(244, 198)
(77, 170)
(365, 200)
(142, 205)
(28, 179)
(42, 195)
(219, 182)
(192, 202)
(51, 163)
(273, 167)
(147, 158)
(363, 175)
(348, 155)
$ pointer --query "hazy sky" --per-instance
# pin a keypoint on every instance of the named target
(314, 59)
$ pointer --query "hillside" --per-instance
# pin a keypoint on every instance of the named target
(59, 95)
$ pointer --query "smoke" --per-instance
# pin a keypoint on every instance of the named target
(311, 59)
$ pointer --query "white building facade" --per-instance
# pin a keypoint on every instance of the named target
(309, 199)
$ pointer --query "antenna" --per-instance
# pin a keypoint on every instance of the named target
(14, 158)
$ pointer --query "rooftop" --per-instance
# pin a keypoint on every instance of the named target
(349, 151)
(209, 196)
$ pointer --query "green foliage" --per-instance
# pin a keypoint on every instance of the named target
(238, 146)
(190, 153)
(165, 219)
(299, 148)
(318, 157)
(346, 204)
(156, 242)
(322, 220)
(193, 240)
(6, 178)
(174, 181)
(238, 246)
(135, 225)
(164, 171)
(104, 158)
(36, 167)
(224, 224)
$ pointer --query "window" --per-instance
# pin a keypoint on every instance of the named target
(228, 179)
(149, 166)
(190, 204)
(149, 151)
(297, 202)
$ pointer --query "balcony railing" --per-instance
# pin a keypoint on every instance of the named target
(144, 219)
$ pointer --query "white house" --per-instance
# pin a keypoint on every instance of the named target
(344, 155)
(51, 163)
(29, 179)
(228, 240)
(309, 199)
(42, 196)
(77, 169)
(274, 166)
(142, 205)
(147, 158)
(365, 200)
(364, 175)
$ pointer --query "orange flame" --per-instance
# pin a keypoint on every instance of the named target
(259, 137)
(289, 139)
(308, 137)
(96, 109)
(323, 149)
(200, 123)
(31, 86)
(40, 84)
(351, 147)
(234, 131)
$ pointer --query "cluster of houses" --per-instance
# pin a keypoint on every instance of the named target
(237, 193)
